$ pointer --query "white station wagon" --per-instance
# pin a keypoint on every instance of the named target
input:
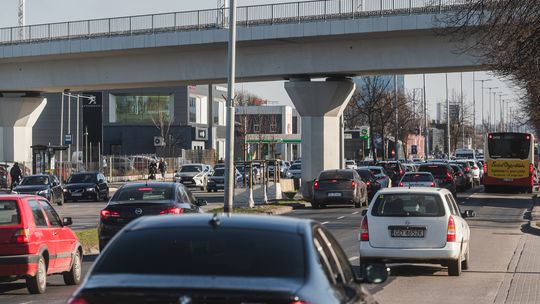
(417, 225)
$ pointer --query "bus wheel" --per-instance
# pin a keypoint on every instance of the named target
(529, 190)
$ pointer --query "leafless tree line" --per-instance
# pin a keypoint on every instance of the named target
(505, 36)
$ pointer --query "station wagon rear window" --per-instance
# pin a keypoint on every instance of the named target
(408, 205)
(9, 213)
(336, 175)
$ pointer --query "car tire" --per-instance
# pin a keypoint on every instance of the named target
(38, 284)
(465, 262)
(73, 276)
(454, 267)
(209, 190)
(61, 202)
(315, 205)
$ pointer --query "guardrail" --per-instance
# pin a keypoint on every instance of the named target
(278, 13)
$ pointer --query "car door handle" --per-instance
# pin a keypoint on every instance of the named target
(55, 233)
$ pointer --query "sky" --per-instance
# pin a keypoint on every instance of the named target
(49, 11)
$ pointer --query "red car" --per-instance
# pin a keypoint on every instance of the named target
(35, 243)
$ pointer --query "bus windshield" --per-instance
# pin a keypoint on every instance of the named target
(514, 146)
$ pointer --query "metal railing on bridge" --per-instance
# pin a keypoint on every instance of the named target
(268, 14)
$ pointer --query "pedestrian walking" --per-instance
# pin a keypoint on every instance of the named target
(162, 168)
(16, 175)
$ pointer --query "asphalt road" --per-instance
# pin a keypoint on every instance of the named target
(500, 247)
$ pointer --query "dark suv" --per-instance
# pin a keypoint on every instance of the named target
(443, 173)
(394, 169)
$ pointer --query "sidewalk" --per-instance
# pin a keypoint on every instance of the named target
(522, 280)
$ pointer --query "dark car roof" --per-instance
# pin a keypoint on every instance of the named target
(81, 173)
(149, 184)
(43, 175)
(269, 223)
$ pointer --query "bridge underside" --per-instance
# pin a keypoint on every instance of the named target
(384, 52)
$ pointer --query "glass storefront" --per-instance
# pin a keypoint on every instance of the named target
(133, 109)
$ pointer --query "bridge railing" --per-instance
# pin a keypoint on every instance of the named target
(268, 14)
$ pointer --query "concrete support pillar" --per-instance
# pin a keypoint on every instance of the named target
(18, 114)
(320, 104)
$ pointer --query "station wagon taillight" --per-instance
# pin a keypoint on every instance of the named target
(77, 300)
(451, 232)
(316, 185)
(21, 236)
(353, 184)
(107, 214)
(401, 184)
(172, 211)
(364, 230)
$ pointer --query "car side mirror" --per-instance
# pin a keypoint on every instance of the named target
(101, 181)
(374, 274)
(468, 214)
(364, 212)
(67, 221)
(201, 202)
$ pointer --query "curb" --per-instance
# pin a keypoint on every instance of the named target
(91, 251)
(280, 210)
(535, 214)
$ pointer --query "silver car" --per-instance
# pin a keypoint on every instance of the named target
(417, 179)
(380, 174)
(294, 171)
(193, 175)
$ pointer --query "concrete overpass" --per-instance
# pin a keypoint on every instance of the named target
(304, 40)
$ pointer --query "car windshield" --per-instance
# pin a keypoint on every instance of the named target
(143, 193)
(375, 171)
(365, 174)
(329, 175)
(9, 213)
(35, 180)
(82, 178)
(189, 169)
(219, 172)
(435, 170)
(418, 177)
(408, 205)
(206, 252)
(349, 162)
(296, 167)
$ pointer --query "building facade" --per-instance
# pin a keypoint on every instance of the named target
(159, 121)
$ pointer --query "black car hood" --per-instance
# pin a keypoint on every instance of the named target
(31, 188)
(79, 186)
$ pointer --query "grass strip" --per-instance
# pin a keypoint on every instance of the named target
(88, 239)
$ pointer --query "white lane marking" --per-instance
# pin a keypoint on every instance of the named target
(356, 212)
(341, 217)
(353, 258)
(324, 223)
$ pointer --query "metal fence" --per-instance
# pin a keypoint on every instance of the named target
(278, 13)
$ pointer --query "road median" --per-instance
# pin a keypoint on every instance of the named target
(89, 240)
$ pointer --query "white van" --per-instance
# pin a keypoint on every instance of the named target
(465, 154)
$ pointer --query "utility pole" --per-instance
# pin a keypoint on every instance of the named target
(396, 145)
(229, 156)
(447, 120)
(426, 132)
(462, 112)
(483, 121)
(21, 18)
(489, 114)
(474, 110)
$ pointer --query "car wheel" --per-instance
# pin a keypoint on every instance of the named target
(73, 276)
(61, 202)
(315, 205)
(38, 284)
(209, 190)
(454, 267)
(465, 263)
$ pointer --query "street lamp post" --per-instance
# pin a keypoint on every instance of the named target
(396, 145)
(426, 132)
(489, 113)
(474, 111)
(447, 120)
(483, 120)
(229, 156)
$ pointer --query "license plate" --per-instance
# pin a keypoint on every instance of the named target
(407, 233)
(508, 179)
(334, 194)
(76, 194)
